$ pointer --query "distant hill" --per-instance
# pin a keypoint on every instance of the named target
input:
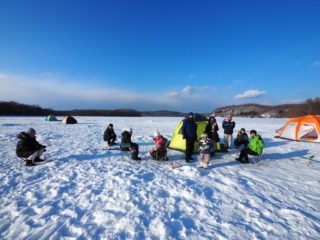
(310, 106)
(18, 109)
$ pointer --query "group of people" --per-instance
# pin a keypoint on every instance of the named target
(30, 150)
(209, 140)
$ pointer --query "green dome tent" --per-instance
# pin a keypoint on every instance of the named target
(178, 143)
(51, 118)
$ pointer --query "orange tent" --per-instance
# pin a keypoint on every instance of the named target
(306, 128)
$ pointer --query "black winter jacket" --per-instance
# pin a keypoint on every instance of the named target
(228, 126)
(27, 145)
(126, 137)
(109, 134)
(213, 135)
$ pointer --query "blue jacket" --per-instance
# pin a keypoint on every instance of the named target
(228, 126)
(189, 129)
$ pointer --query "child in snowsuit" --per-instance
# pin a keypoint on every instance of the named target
(212, 129)
(228, 125)
(205, 148)
(28, 147)
(255, 147)
(109, 135)
(159, 150)
(242, 138)
(126, 140)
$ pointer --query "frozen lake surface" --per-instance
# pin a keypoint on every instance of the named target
(88, 192)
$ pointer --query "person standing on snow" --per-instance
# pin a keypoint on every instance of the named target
(205, 148)
(189, 132)
(228, 125)
(28, 147)
(211, 130)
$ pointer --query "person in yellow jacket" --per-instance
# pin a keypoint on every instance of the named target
(255, 147)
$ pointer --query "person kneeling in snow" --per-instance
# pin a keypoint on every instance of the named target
(109, 135)
(242, 138)
(126, 140)
(159, 150)
(255, 147)
(205, 148)
(28, 147)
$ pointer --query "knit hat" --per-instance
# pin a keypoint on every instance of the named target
(203, 135)
(110, 125)
(156, 133)
(31, 131)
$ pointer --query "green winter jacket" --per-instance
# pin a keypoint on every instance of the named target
(256, 144)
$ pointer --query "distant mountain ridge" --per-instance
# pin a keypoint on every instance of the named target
(310, 106)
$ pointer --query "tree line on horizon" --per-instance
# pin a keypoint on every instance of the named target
(309, 106)
(18, 109)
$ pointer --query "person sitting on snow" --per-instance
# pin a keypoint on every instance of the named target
(159, 150)
(109, 135)
(28, 147)
(255, 147)
(242, 138)
(126, 140)
(205, 148)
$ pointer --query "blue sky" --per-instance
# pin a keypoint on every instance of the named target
(149, 55)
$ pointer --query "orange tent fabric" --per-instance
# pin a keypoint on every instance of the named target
(306, 128)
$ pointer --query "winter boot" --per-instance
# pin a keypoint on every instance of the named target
(29, 163)
(37, 160)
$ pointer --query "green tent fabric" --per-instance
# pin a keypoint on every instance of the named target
(178, 143)
(51, 118)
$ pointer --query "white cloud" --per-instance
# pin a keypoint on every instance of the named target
(250, 94)
(47, 91)
(316, 64)
(172, 94)
(187, 90)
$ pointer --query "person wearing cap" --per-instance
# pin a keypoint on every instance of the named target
(109, 135)
(159, 150)
(28, 147)
(255, 147)
(205, 148)
(189, 133)
(126, 140)
(242, 138)
(228, 125)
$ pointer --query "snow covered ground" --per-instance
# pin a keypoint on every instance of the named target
(91, 193)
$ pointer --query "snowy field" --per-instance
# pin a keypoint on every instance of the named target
(88, 192)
